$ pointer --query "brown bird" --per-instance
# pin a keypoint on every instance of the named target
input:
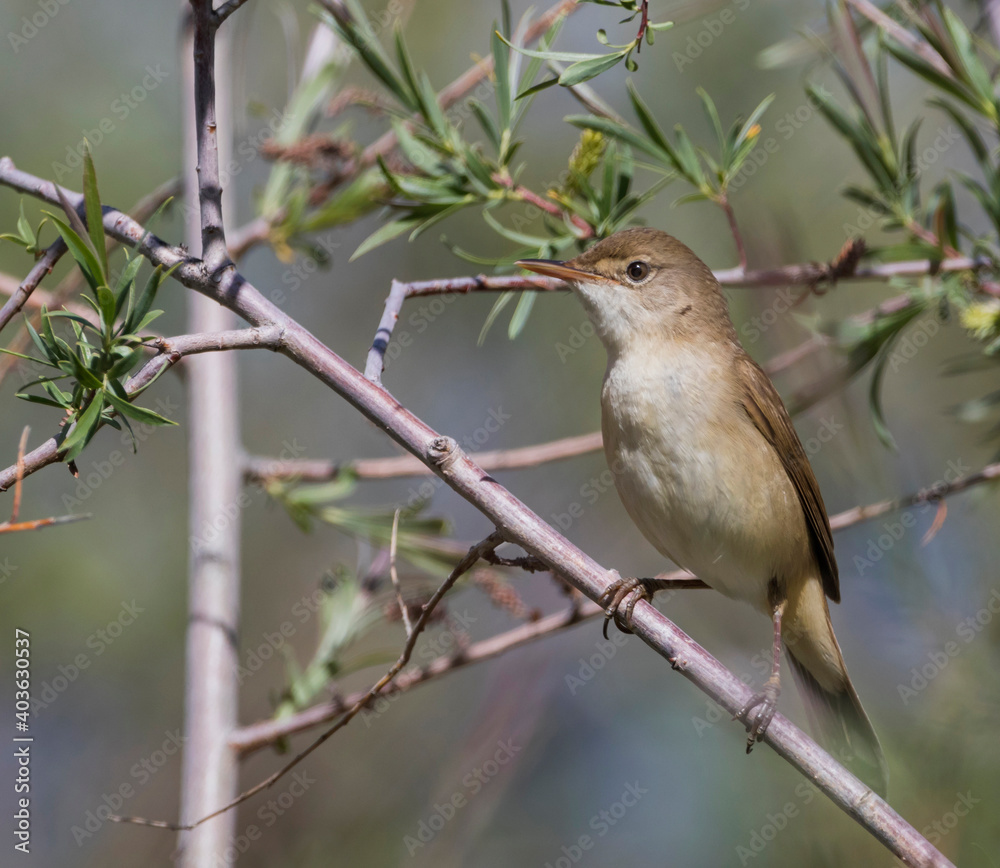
(709, 467)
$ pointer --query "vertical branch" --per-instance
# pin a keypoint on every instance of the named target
(210, 772)
(734, 227)
(213, 233)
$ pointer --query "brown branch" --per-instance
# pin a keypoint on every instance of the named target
(41, 269)
(474, 554)
(734, 228)
(933, 494)
(516, 521)
(259, 469)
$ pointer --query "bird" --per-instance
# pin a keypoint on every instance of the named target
(709, 467)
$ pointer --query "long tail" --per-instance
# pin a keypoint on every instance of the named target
(833, 705)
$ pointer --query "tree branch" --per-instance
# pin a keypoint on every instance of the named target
(41, 269)
(259, 469)
(516, 521)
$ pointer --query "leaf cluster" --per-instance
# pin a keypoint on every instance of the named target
(91, 365)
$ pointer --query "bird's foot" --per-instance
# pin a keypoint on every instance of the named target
(767, 700)
(623, 591)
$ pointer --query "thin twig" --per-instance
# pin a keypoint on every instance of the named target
(404, 610)
(474, 554)
(43, 267)
(734, 228)
(18, 486)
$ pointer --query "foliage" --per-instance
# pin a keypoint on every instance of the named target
(102, 353)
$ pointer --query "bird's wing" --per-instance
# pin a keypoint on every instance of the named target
(772, 420)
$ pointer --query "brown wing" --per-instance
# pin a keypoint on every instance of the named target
(771, 419)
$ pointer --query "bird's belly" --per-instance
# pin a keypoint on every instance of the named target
(709, 494)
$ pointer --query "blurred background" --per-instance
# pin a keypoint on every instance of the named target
(629, 754)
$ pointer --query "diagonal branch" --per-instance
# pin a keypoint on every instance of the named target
(41, 269)
(516, 521)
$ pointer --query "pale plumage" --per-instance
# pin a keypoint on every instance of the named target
(709, 467)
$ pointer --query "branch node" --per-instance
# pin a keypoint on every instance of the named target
(443, 452)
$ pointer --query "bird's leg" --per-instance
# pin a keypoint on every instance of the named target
(767, 699)
(630, 590)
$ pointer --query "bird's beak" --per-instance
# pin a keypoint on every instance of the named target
(560, 270)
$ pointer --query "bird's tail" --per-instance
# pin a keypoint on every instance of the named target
(832, 703)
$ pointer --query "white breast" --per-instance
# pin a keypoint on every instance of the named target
(694, 473)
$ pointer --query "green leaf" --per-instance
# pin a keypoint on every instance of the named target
(538, 88)
(139, 414)
(92, 202)
(24, 227)
(521, 314)
(84, 429)
(81, 252)
(968, 129)
(648, 121)
(124, 287)
(930, 73)
(584, 70)
(386, 233)
(371, 55)
(126, 363)
(564, 56)
(498, 306)
(623, 133)
(38, 399)
(501, 70)
(26, 358)
(83, 374)
(146, 299)
(107, 302)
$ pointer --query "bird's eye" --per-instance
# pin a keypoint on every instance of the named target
(637, 271)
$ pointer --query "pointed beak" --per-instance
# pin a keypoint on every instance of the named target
(560, 270)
